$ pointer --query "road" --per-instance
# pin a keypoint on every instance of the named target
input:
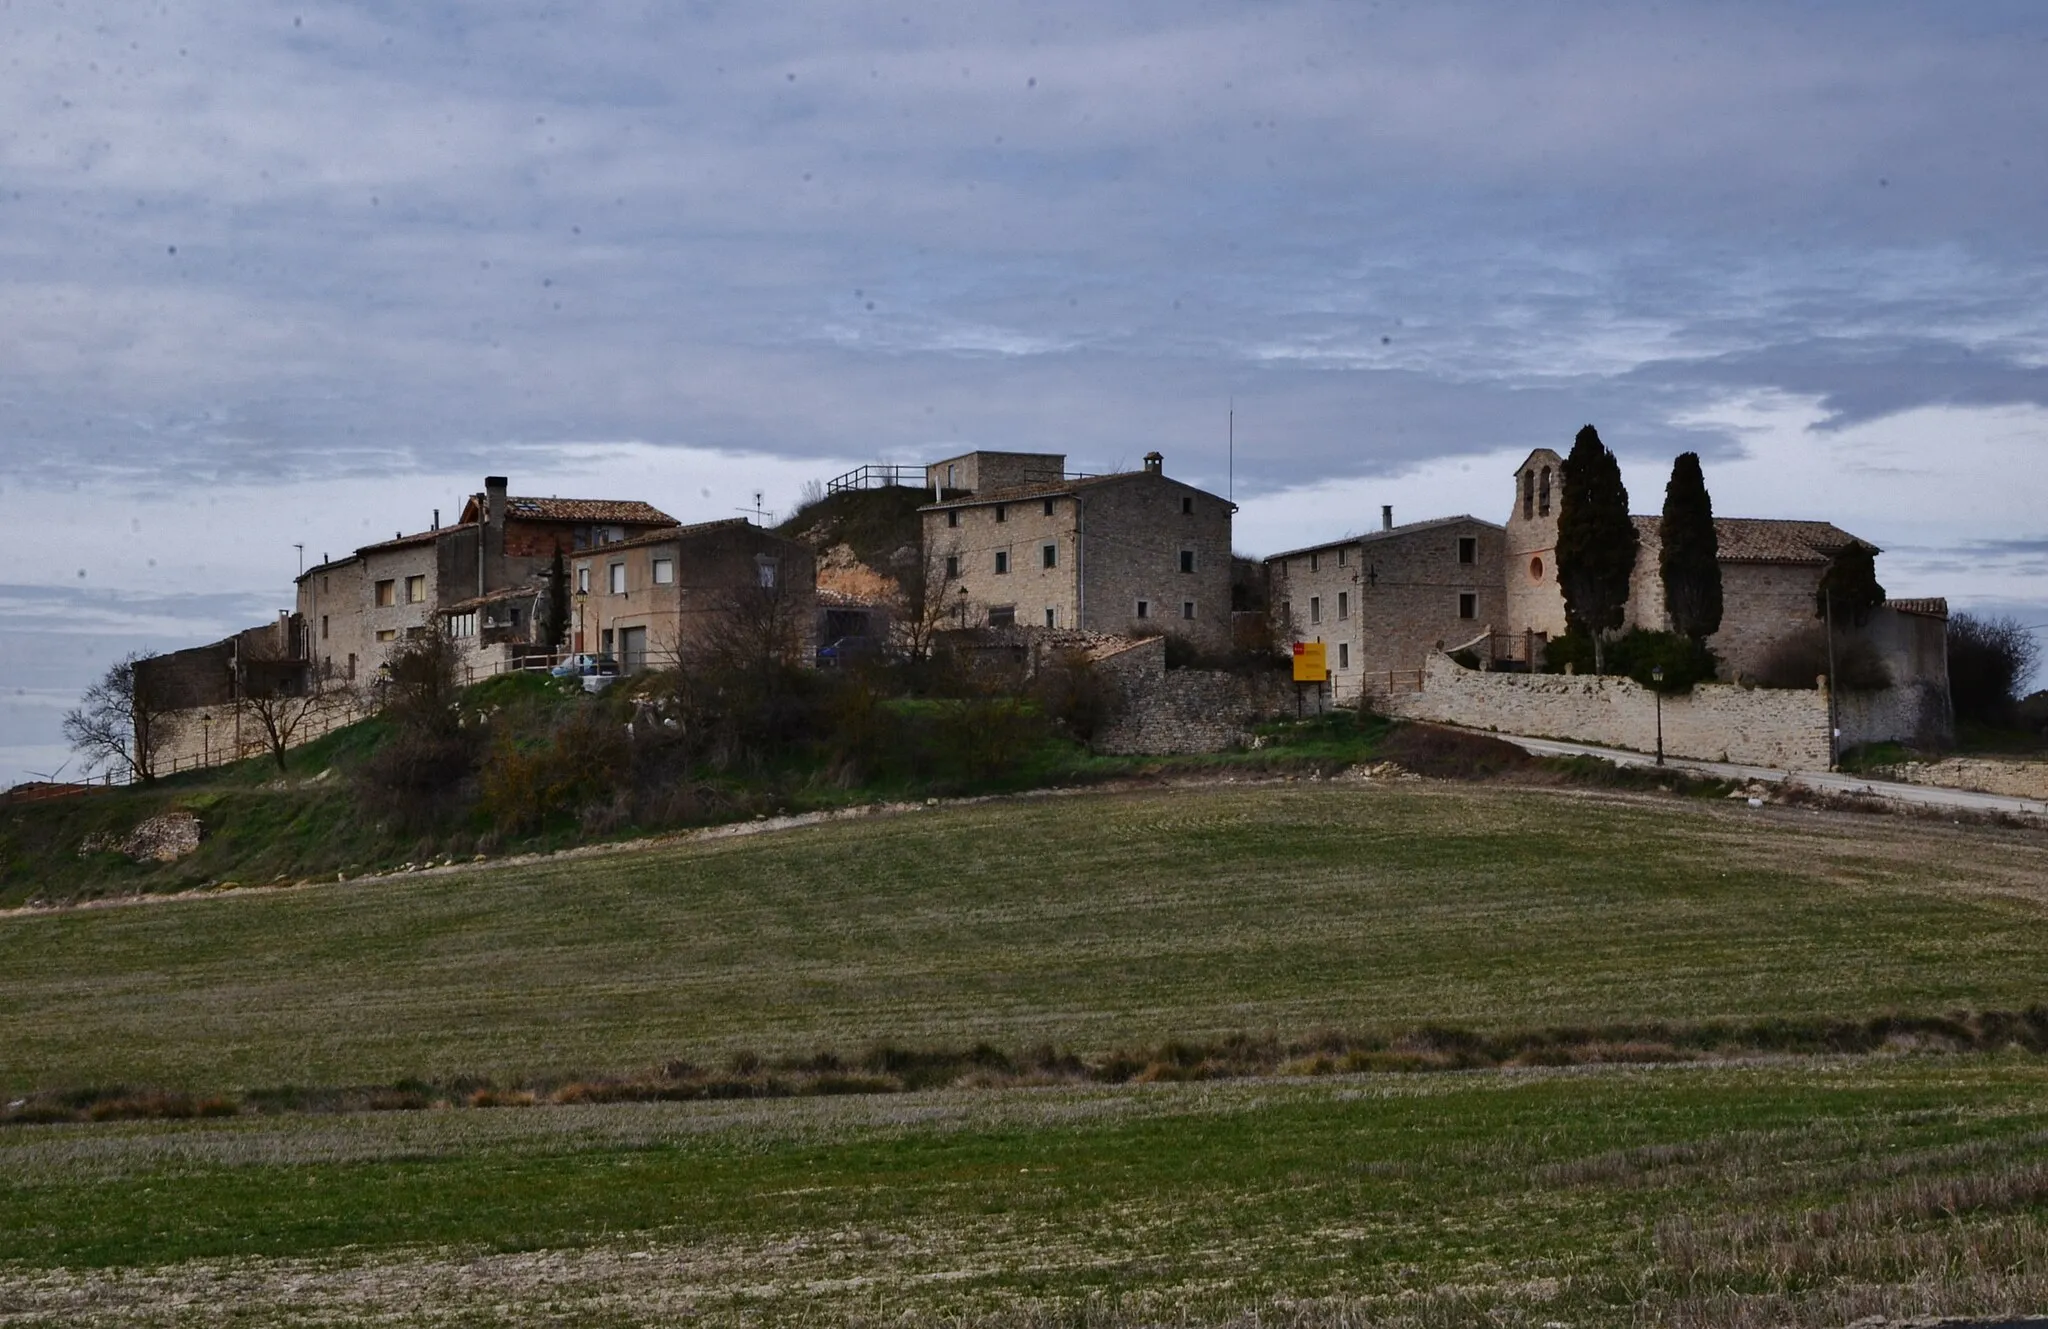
(1834, 782)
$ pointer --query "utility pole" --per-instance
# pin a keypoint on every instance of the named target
(302, 558)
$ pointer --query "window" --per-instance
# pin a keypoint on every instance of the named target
(1341, 551)
(387, 594)
(326, 585)
(1313, 563)
(1468, 549)
(583, 579)
(1528, 495)
(1051, 555)
(764, 571)
(1002, 616)
(1144, 609)
(1543, 494)
(1343, 605)
(952, 516)
(1048, 508)
(351, 665)
(462, 625)
(1536, 569)
(952, 566)
(664, 571)
(1002, 562)
(1468, 605)
(415, 590)
(1052, 618)
(1187, 560)
(387, 634)
(1343, 655)
(323, 627)
(604, 641)
(616, 572)
(1002, 513)
(1187, 506)
(1315, 609)
(1187, 609)
(952, 478)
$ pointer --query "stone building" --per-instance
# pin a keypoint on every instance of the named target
(1014, 540)
(649, 600)
(356, 608)
(1381, 602)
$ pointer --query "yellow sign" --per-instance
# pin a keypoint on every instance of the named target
(1311, 662)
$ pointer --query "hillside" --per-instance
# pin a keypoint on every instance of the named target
(860, 535)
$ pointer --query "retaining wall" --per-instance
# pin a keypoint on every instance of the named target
(1175, 711)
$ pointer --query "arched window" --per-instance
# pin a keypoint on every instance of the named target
(1528, 495)
(1543, 494)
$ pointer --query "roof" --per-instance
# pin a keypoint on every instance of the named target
(1055, 489)
(404, 541)
(1409, 528)
(1769, 539)
(1932, 606)
(525, 591)
(622, 511)
(671, 533)
(831, 599)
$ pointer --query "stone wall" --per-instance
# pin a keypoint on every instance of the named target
(1134, 531)
(1169, 712)
(2012, 777)
(231, 732)
(1718, 722)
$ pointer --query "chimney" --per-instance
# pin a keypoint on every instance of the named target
(437, 519)
(490, 569)
(1386, 516)
(1155, 464)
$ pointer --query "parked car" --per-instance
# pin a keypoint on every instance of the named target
(846, 650)
(600, 665)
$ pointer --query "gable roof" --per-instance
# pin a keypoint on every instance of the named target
(419, 538)
(1768, 539)
(622, 511)
(671, 533)
(1058, 489)
(1370, 537)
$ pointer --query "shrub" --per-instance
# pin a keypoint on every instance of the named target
(1989, 659)
(582, 765)
(1636, 654)
(1075, 695)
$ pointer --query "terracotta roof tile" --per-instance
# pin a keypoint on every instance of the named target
(629, 512)
(1932, 606)
(1768, 539)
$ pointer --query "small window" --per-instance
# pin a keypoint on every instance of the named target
(1343, 605)
(1343, 655)
(1002, 616)
(323, 627)
(664, 571)
(1187, 506)
(617, 573)
(583, 579)
(415, 590)
(765, 571)
(1144, 609)
(1468, 549)
(1051, 555)
(387, 634)
(1002, 513)
(1187, 560)
(1315, 609)
(326, 585)
(387, 594)
(952, 477)
(1313, 563)
(1187, 609)
(1052, 618)
(604, 641)
(1543, 494)
(952, 565)
(351, 664)
(1528, 495)
(1002, 562)
(1048, 507)
(1536, 568)
(1468, 605)
(1341, 551)
(952, 516)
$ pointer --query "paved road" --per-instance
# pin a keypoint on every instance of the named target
(1834, 782)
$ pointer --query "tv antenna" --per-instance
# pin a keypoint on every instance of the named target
(302, 558)
(760, 513)
(1230, 465)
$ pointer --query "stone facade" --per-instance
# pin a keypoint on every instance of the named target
(1129, 553)
(1383, 602)
(978, 472)
(1531, 600)
(648, 600)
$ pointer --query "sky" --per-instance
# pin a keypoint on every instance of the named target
(275, 275)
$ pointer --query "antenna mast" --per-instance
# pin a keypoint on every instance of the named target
(1230, 471)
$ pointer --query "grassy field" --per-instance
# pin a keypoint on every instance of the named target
(1782, 1190)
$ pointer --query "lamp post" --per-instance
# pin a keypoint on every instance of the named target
(206, 738)
(1657, 687)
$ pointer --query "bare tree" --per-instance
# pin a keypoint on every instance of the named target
(754, 629)
(120, 724)
(281, 695)
(925, 607)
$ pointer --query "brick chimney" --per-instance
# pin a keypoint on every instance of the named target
(491, 569)
(1155, 464)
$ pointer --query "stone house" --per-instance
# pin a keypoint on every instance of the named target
(356, 608)
(1381, 602)
(1014, 540)
(649, 599)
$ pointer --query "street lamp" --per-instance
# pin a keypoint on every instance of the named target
(206, 738)
(1657, 687)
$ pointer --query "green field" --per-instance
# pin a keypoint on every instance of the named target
(1780, 1189)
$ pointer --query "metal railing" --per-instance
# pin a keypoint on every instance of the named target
(877, 475)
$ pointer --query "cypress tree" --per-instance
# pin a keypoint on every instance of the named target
(556, 626)
(1689, 552)
(1596, 542)
(1850, 583)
